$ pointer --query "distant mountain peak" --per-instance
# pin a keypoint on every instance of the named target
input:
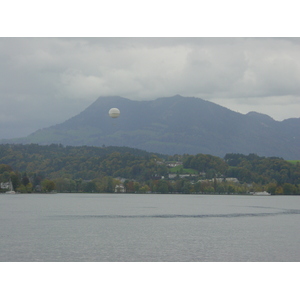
(260, 116)
(110, 98)
(174, 125)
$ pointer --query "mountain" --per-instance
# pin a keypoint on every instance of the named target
(174, 125)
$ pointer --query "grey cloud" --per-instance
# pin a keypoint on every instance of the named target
(47, 80)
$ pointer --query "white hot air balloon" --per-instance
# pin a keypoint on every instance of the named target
(114, 112)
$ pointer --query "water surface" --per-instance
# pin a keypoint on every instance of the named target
(151, 227)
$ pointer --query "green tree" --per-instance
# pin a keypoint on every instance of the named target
(129, 186)
(21, 189)
(25, 179)
(162, 187)
(48, 185)
(5, 168)
(271, 188)
(187, 186)
(279, 190)
(29, 187)
(6, 176)
(231, 189)
(136, 187)
(89, 187)
(220, 188)
(209, 190)
(289, 189)
(15, 179)
(144, 189)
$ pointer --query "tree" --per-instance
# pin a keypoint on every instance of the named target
(6, 176)
(129, 186)
(288, 189)
(21, 189)
(5, 168)
(136, 187)
(29, 187)
(209, 190)
(230, 189)
(15, 179)
(48, 185)
(162, 187)
(89, 187)
(187, 186)
(144, 189)
(65, 185)
(271, 188)
(279, 190)
(220, 188)
(25, 179)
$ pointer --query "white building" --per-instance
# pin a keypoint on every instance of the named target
(5, 185)
(120, 188)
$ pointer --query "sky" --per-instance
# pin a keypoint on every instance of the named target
(48, 78)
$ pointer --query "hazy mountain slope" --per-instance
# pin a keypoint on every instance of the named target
(175, 125)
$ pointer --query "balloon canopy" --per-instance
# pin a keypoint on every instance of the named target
(114, 112)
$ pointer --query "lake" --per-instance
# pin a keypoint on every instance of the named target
(149, 228)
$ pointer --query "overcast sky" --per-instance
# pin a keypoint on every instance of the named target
(45, 81)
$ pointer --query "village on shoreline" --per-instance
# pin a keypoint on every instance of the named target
(57, 169)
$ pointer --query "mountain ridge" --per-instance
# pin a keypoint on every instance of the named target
(174, 125)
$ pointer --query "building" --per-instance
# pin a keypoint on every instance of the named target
(120, 188)
(6, 185)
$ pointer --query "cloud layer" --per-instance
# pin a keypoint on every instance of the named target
(48, 80)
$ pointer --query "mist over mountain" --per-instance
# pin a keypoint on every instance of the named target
(174, 125)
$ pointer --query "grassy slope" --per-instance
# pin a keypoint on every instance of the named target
(181, 170)
(294, 161)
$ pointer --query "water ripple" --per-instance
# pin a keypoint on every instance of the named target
(169, 216)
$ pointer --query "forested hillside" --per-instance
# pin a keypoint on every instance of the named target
(174, 125)
(36, 168)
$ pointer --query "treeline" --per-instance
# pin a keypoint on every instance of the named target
(246, 168)
(36, 168)
(272, 174)
(85, 162)
(262, 170)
